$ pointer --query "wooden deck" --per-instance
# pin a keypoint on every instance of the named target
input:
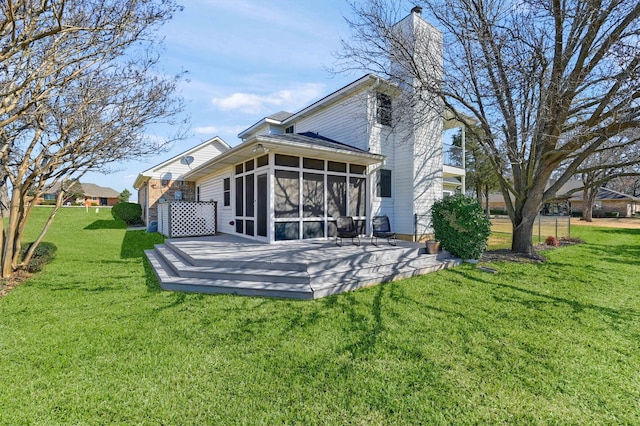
(298, 269)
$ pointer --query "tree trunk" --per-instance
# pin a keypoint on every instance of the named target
(8, 247)
(524, 219)
(486, 197)
(45, 229)
(522, 241)
(588, 199)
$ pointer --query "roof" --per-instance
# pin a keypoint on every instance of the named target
(313, 139)
(282, 117)
(93, 190)
(610, 194)
(302, 144)
(572, 190)
(147, 174)
(89, 190)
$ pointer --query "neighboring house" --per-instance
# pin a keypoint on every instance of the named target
(164, 182)
(568, 200)
(295, 173)
(99, 195)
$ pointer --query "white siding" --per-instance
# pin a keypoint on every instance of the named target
(174, 170)
(211, 189)
(344, 121)
(403, 185)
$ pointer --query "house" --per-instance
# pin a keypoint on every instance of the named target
(295, 173)
(165, 182)
(569, 199)
(99, 195)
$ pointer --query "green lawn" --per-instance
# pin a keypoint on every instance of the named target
(93, 340)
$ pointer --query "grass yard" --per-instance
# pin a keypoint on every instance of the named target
(93, 340)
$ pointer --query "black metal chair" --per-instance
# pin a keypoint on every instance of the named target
(346, 228)
(382, 229)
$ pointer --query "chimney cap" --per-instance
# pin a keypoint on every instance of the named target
(417, 9)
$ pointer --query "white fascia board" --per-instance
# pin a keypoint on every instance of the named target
(265, 120)
(338, 94)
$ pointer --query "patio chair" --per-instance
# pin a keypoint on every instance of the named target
(382, 229)
(346, 228)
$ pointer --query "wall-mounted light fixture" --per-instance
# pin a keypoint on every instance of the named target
(260, 148)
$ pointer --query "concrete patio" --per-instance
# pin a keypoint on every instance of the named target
(299, 269)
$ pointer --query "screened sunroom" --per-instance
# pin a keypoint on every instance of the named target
(291, 186)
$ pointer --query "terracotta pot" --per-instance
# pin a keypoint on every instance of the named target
(432, 247)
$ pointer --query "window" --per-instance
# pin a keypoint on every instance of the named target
(383, 183)
(383, 109)
(197, 194)
(263, 161)
(239, 198)
(286, 194)
(334, 166)
(289, 129)
(226, 183)
(287, 160)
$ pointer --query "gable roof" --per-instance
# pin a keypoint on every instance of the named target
(93, 190)
(147, 174)
(283, 118)
(89, 190)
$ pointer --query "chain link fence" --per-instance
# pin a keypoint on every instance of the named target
(557, 226)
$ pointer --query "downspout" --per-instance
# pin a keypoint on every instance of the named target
(464, 159)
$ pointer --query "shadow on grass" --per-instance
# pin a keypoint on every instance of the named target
(151, 281)
(106, 224)
(135, 243)
(625, 231)
(541, 298)
(618, 254)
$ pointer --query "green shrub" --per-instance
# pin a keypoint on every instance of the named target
(612, 214)
(461, 226)
(130, 213)
(43, 255)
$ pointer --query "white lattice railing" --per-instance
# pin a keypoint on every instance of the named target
(187, 219)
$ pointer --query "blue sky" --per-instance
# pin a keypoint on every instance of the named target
(246, 59)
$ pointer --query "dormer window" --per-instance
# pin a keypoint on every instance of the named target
(383, 109)
(289, 129)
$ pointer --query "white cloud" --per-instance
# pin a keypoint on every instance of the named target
(206, 130)
(290, 99)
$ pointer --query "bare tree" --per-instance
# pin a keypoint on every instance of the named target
(78, 90)
(619, 157)
(629, 185)
(548, 82)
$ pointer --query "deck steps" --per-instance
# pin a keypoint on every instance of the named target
(298, 271)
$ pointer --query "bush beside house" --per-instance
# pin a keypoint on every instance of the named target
(461, 226)
(130, 213)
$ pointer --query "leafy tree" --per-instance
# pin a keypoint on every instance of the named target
(548, 82)
(79, 87)
(480, 177)
(124, 196)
